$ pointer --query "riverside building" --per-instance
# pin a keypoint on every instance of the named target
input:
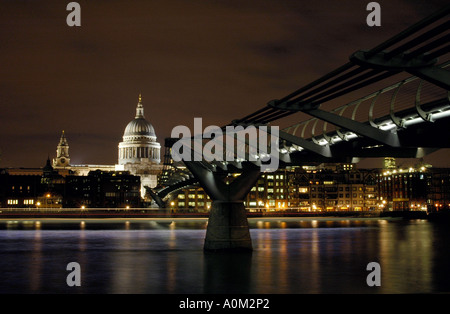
(337, 187)
(138, 157)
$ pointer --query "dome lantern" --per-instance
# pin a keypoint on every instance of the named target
(139, 108)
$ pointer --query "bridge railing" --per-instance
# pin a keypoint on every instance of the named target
(380, 109)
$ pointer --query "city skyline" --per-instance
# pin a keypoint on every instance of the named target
(216, 60)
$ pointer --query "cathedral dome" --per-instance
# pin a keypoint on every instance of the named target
(139, 126)
(139, 143)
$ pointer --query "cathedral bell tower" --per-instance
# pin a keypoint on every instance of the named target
(62, 153)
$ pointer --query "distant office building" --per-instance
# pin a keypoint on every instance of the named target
(403, 189)
(98, 189)
(101, 189)
(19, 190)
(270, 192)
(30, 190)
(438, 197)
(389, 163)
(324, 188)
(190, 199)
(338, 187)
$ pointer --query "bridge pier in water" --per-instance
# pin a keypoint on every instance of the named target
(227, 228)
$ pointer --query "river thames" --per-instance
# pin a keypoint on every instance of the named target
(165, 256)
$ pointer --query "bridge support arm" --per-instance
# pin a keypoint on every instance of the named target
(435, 75)
(156, 197)
(384, 137)
(227, 225)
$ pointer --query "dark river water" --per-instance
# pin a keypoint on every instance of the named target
(291, 255)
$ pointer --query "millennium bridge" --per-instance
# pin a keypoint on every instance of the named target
(407, 116)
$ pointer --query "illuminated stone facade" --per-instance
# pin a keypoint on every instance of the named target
(139, 141)
(62, 159)
(138, 153)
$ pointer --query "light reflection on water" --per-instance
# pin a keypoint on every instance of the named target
(290, 256)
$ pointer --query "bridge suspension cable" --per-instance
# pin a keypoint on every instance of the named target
(415, 55)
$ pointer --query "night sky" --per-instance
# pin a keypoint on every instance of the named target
(218, 60)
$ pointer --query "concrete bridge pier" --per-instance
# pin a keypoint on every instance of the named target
(227, 225)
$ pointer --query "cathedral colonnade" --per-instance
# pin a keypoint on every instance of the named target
(137, 152)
